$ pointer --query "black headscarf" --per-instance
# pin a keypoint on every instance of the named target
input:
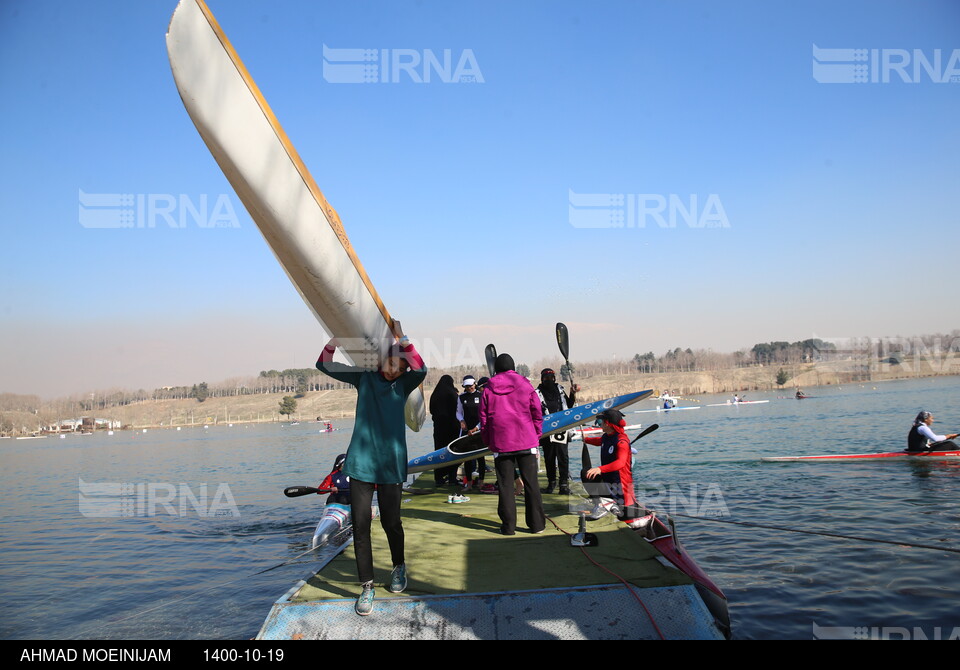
(504, 363)
(550, 389)
(443, 400)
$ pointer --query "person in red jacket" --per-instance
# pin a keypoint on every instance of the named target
(616, 460)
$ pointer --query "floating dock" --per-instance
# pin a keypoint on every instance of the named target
(467, 581)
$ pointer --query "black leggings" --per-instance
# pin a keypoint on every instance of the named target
(361, 498)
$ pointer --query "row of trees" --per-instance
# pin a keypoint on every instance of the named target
(299, 381)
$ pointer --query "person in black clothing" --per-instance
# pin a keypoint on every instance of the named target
(922, 438)
(446, 427)
(468, 411)
(554, 398)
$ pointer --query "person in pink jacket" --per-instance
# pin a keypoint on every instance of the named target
(511, 421)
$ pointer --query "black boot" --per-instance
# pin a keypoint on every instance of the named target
(550, 487)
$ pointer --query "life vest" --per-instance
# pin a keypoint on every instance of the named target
(547, 409)
(916, 441)
(471, 408)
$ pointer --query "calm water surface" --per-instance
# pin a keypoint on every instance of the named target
(64, 574)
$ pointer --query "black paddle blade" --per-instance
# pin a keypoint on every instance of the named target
(297, 491)
(563, 340)
(491, 355)
(649, 429)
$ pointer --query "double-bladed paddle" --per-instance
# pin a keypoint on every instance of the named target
(297, 491)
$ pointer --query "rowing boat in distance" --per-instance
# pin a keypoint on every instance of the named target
(663, 409)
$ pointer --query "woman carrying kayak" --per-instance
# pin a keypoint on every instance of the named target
(377, 455)
(921, 438)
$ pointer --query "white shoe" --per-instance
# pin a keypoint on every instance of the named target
(604, 507)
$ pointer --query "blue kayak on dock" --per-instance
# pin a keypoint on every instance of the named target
(468, 447)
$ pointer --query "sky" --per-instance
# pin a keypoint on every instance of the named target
(653, 174)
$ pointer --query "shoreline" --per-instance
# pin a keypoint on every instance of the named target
(338, 404)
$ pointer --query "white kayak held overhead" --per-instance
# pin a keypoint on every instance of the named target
(256, 156)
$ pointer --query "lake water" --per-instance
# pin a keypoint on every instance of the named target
(91, 563)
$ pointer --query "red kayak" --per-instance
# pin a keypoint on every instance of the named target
(892, 455)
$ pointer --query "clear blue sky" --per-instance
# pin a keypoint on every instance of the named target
(841, 198)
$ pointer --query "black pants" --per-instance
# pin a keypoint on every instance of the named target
(361, 497)
(943, 445)
(526, 462)
(478, 465)
(556, 458)
(445, 431)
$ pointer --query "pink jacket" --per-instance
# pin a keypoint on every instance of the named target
(511, 418)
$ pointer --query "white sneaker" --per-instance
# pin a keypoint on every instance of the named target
(604, 507)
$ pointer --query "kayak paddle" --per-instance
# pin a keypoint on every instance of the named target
(652, 427)
(563, 341)
(491, 354)
(297, 491)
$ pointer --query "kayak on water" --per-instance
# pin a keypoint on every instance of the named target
(336, 518)
(730, 403)
(888, 456)
(663, 409)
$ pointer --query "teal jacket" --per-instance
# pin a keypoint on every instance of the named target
(378, 447)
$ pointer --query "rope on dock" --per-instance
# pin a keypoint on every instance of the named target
(623, 581)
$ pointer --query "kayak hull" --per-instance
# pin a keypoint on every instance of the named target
(596, 432)
(468, 447)
(336, 518)
(256, 156)
(662, 409)
(888, 456)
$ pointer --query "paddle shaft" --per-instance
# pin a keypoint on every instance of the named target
(297, 491)
(649, 429)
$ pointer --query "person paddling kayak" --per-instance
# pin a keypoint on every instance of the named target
(337, 483)
(921, 438)
(377, 455)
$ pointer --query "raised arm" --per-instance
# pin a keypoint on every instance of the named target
(344, 373)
